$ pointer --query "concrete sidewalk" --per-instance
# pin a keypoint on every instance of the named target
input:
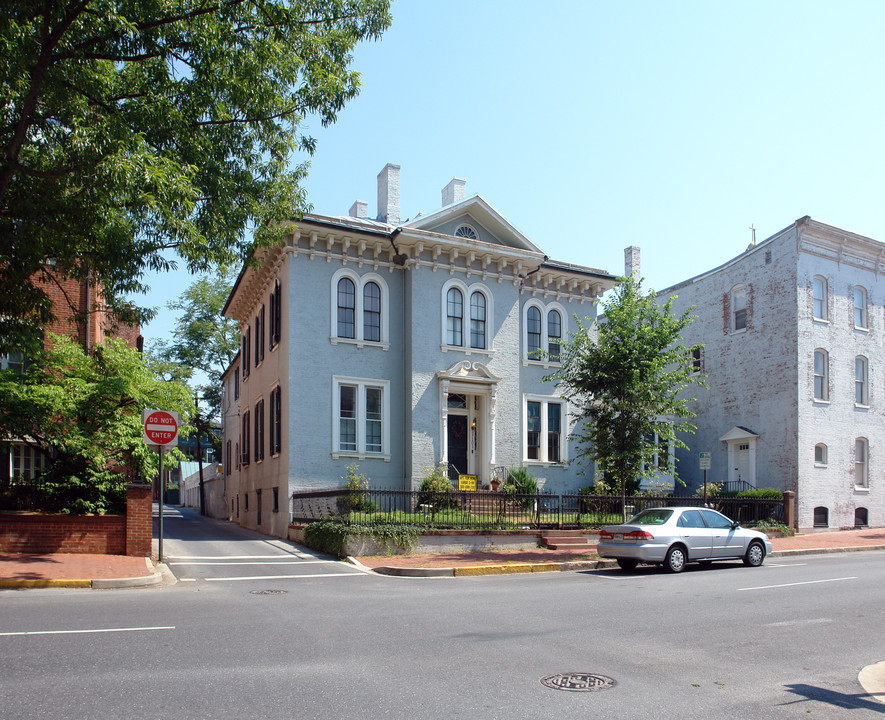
(71, 570)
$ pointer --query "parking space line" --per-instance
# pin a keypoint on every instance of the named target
(87, 632)
(807, 582)
(260, 562)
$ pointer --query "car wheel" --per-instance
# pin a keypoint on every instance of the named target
(675, 561)
(755, 554)
(627, 564)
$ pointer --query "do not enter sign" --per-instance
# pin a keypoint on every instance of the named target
(160, 427)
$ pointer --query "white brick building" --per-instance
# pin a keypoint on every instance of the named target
(793, 334)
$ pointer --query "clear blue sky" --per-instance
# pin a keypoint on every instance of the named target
(591, 126)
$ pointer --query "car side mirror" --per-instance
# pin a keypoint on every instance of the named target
(735, 525)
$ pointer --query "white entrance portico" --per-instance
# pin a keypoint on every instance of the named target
(741, 454)
(467, 395)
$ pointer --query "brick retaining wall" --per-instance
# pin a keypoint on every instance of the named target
(128, 534)
(101, 535)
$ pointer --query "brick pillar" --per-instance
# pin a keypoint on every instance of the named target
(790, 509)
(139, 519)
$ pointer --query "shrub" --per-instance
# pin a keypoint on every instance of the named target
(520, 482)
(358, 485)
(769, 493)
(328, 535)
(436, 490)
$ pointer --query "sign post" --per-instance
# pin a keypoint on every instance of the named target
(706, 464)
(160, 431)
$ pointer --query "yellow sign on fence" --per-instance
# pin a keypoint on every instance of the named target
(467, 482)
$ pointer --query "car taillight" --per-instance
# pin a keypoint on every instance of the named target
(639, 535)
(605, 535)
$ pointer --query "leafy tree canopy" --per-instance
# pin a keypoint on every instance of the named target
(131, 127)
(82, 412)
(203, 342)
(627, 384)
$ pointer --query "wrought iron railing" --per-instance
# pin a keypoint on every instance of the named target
(484, 510)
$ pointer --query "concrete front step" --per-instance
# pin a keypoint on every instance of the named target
(569, 546)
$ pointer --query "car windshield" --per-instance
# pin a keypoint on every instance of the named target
(655, 516)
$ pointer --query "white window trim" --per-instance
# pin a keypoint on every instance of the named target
(466, 292)
(361, 453)
(359, 282)
(563, 432)
(825, 300)
(826, 460)
(865, 382)
(865, 309)
(545, 337)
(866, 463)
(826, 377)
(742, 288)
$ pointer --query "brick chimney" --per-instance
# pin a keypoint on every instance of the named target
(631, 262)
(360, 209)
(453, 192)
(388, 194)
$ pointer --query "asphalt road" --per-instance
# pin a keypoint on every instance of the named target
(782, 641)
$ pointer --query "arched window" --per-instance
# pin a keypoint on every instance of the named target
(346, 308)
(861, 477)
(861, 517)
(861, 381)
(454, 317)
(819, 293)
(533, 330)
(359, 309)
(554, 334)
(478, 320)
(860, 307)
(820, 454)
(372, 312)
(821, 516)
(821, 375)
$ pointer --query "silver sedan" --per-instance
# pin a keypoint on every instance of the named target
(679, 535)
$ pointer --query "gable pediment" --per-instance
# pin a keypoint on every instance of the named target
(475, 212)
(738, 433)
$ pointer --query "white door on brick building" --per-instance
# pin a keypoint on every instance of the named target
(741, 444)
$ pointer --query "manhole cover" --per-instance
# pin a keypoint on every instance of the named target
(578, 682)
(267, 592)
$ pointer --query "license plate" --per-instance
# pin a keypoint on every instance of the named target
(619, 537)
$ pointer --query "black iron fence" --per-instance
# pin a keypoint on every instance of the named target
(483, 510)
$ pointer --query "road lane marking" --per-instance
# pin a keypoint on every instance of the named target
(807, 582)
(85, 632)
(810, 621)
(174, 558)
(772, 564)
(355, 573)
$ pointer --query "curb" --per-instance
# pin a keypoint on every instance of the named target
(566, 566)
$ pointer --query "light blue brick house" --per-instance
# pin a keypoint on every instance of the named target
(398, 346)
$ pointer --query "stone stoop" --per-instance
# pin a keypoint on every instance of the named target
(565, 540)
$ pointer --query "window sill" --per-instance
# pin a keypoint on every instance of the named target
(864, 330)
(820, 321)
(861, 406)
(466, 350)
(338, 455)
(818, 401)
(543, 463)
(862, 489)
(385, 346)
(738, 332)
(541, 363)
(820, 465)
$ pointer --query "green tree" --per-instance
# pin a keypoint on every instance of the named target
(627, 384)
(82, 412)
(132, 127)
(203, 343)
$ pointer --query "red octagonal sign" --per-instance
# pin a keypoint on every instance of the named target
(160, 427)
